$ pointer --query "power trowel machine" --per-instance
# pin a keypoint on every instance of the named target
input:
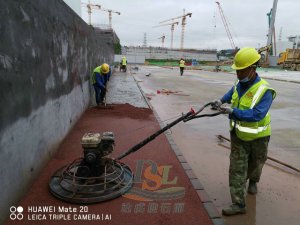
(97, 177)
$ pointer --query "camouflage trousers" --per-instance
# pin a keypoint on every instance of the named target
(247, 159)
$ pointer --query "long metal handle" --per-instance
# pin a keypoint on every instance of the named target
(153, 136)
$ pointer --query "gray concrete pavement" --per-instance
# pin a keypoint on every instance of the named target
(123, 89)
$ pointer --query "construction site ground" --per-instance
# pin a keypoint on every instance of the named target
(190, 150)
(130, 123)
(278, 199)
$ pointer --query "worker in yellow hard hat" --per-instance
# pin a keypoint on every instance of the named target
(251, 98)
(100, 77)
(181, 66)
(123, 64)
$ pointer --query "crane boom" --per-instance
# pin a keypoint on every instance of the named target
(178, 17)
(226, 25)
(183, 23)
(89, 9)
(110, 15)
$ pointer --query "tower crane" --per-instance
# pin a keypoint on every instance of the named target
(89, 9)
(226, 26)
(183, 23)
(162, 40)
(110, 11)
(172, 30)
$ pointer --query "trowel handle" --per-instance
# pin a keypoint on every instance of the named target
(154, 135)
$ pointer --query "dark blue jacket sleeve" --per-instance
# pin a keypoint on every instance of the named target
(257, 113)
(100, 81)
(227, 97)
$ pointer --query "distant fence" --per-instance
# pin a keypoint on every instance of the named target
(131, 59)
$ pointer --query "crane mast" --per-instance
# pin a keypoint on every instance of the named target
(172, 30)
(110, 15)
(89, 10)
(226, 25)
(162, 40)
(183, 23)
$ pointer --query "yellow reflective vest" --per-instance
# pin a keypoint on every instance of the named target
(124, 61)
(96, 70)
(181, 63)
(248, 131)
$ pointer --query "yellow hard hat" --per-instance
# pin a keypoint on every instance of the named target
(104, 68)
(244, 58)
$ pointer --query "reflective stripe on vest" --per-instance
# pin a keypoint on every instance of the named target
(249, 129)
(258, 94)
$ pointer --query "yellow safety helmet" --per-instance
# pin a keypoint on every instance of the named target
(104, 68)
(244, 58)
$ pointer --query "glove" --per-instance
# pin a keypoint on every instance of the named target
(226, 110)
(215, 105)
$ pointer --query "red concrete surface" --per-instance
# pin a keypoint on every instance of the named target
(130, 125)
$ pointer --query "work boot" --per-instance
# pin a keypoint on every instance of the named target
(234, 209)
(252, 188)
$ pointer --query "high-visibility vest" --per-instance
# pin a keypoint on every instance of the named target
(181, 63)
(96, 70)
(248, 131)
(124, 61)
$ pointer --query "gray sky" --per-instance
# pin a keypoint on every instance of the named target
(247, 21)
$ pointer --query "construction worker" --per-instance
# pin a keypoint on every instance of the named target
(123, 64)
(99, 79)
(251, 98)
(181, 66)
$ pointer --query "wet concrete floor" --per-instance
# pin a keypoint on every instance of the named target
(278, 198)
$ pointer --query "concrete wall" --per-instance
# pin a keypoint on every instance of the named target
(164, 53)
(47, 54)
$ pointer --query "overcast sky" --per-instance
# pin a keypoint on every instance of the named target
(247, 21)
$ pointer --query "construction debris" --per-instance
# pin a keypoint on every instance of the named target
(168, 92)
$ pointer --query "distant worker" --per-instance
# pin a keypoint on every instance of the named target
(251, 98)
(123, 64)
(181, 66)
(100, 77)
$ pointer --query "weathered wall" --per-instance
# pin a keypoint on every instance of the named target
(46, 56)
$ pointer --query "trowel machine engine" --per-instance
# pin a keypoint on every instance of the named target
(95, 177)
(96, 150)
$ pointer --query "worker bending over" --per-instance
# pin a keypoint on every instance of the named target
(100, 77)
(251, 98)
(123, 64)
